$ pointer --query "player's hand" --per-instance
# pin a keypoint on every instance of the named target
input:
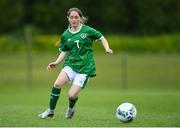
(51, 66)
(109, 51)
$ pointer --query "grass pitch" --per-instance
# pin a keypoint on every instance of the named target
(153, 87)
(95, 107)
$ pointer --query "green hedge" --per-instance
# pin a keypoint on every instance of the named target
(159, 43)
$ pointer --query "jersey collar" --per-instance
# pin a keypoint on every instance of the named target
(73, 32)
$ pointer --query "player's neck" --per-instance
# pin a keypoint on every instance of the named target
(75, 29)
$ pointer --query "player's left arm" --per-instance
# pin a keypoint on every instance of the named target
(106, 45)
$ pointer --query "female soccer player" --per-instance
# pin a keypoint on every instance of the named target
(76, 50)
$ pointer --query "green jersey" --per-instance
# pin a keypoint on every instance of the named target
(79, 47)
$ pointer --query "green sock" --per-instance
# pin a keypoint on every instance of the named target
(54, 97)
(72, 102)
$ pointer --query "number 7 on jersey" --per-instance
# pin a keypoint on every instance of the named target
(77, 42)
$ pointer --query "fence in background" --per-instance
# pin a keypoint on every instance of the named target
(124, 71)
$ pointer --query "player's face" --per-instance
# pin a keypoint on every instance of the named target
(74, 19)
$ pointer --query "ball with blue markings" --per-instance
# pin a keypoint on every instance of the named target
(126, 112)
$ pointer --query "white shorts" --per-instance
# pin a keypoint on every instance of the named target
(76, 78)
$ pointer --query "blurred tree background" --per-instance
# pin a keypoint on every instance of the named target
(115, 18)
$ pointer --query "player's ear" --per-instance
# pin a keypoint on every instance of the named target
(81, 20)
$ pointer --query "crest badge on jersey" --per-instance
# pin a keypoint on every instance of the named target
(83, 35)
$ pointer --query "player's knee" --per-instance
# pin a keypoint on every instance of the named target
(72, 96)
(57, 86)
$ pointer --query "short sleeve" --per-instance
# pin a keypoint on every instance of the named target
(63, 45)
(95, 34)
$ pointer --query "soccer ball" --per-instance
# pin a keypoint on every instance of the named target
(126, 112)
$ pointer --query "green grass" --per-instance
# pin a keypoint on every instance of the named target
(153, 87)
(158, 108)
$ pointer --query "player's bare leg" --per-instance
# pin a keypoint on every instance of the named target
(61, 80)
(73, 97)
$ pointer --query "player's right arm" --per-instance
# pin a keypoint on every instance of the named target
(60, 58)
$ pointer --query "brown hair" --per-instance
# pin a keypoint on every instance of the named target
(84, 19)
